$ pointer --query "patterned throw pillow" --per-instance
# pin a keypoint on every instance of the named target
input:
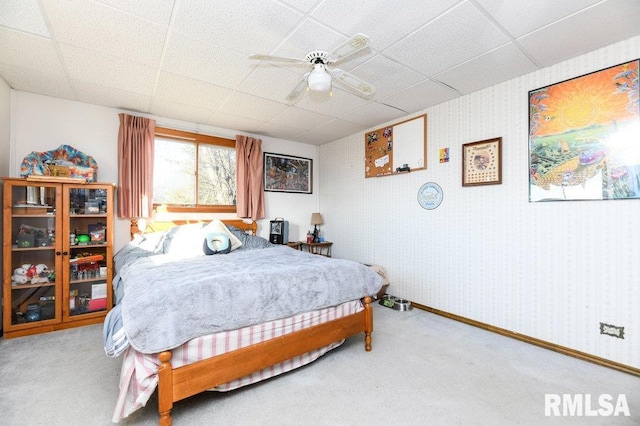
(216, 243)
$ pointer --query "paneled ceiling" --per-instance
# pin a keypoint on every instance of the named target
(188, 59)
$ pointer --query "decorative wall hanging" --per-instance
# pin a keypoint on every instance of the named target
(430, 196)
(64, 162)
(286, 173)
(584, 137)
(482, 162)
(444, 155)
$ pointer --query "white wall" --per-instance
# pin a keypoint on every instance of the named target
(42, 123)
(552, 271)
(5, 132)
(5, 126)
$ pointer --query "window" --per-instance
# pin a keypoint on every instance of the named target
(193, 172)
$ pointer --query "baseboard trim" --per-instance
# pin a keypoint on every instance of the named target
(532, 340)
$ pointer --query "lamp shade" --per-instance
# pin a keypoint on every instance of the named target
(319, 80)
(316, 219)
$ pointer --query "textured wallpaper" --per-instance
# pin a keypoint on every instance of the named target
(551, 270)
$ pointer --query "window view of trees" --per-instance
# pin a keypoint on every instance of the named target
(194, 173)
(216, 175)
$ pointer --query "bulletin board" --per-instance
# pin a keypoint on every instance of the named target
(397, 148)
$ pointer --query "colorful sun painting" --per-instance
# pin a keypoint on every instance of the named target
(584, 137)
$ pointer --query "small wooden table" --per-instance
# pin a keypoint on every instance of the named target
(323, 248)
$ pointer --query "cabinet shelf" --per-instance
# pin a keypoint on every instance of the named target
(27, 286)
(16, 248)
(77, 215)
(96, 280)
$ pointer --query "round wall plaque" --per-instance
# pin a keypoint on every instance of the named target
(430, 195)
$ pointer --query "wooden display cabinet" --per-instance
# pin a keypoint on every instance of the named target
(57, 254)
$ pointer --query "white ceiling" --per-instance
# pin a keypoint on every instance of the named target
(188, 59)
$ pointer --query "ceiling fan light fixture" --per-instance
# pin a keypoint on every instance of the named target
(319, 80)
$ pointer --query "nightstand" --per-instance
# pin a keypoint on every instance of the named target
(323, 248)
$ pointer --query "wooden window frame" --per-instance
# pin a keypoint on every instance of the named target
(179, 135)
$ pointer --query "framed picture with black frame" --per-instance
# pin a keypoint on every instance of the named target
(287, 173)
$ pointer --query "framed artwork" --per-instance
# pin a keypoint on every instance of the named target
(584, 137)
(286, 173)
(482, 162)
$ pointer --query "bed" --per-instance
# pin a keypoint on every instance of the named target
(261, 326)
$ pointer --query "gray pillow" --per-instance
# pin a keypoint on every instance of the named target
(249, 242)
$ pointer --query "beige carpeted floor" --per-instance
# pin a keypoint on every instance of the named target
(423, 370)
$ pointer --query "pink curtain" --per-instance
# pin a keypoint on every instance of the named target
(135, 166)
(249, 169)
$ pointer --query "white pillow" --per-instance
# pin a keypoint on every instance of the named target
(184, 241)
(217, 226)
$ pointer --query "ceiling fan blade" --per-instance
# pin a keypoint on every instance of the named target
(277, 59)
(359, 86)
(349, 47)
(295, 93)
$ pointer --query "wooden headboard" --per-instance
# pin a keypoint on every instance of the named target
(250, 227)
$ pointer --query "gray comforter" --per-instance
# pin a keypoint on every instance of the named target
(167, 302)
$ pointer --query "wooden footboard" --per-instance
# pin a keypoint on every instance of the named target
(180, 383)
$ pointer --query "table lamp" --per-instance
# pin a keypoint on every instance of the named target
(316, 219)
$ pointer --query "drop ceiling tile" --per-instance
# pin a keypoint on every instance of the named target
(29, 51)
(383, 22)
(106, 30)
(522, 17)
(335, 105)
(607, 23)
(184, 90)
(301, 5)
(373, 113)
(278, 130)
(270, 82)
(108, 96)
(23, 15)
(458, 36)
(177, 111)
(300, 118)
(158, 11)
(335, 129)
(230, 121)
(204, 61)
(386, 75)
(242, 25)
(501, 64)
(243, 105)
(39, 82)
(312, 36)
(315, 138)
(93, 67)
(308, 37)
(420, 96)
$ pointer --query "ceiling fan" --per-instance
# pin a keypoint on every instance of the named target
(321, 77)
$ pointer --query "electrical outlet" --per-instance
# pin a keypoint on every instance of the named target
(612, 330)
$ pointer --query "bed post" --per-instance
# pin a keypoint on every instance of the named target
(133, 228)
(165, 388)
(368, 323)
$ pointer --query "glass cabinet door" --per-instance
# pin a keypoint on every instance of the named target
(86, 243)
(34, 256)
